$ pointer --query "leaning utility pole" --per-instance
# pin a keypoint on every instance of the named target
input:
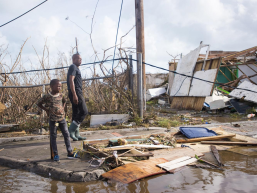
(140, 40)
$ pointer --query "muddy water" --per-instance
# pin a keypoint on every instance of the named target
(240, 175)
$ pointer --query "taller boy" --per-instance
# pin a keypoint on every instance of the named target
(79, 108)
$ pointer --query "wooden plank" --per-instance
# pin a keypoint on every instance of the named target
(178, 169)
(175, 161)
(169, 166)
(137, 155)
(213, 138)
(134, 171)
(227, 143)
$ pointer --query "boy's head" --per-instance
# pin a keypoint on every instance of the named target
(76, 59)
(55, 85)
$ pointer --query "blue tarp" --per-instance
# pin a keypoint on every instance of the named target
(196, 132)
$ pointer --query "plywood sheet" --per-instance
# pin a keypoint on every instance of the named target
(102, 119)
(186, 66)
(248, 96)
(135, 171)
(202, 88)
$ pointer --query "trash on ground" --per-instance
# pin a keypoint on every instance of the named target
(154, 92)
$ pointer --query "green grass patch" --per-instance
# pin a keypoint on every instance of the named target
(167, 123)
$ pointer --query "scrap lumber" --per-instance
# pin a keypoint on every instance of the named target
(1, 149)
(177, 163)
(216, 155)
(227, 143)
(213, 138)
(95, 151)
(134, 171)
(106, 140)
(132, 146)
(137, 155)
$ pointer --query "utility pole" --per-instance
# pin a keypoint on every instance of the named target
(140, 40)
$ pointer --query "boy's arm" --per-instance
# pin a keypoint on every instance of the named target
(40, 105)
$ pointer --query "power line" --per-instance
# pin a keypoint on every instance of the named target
(117, 35)
(58, 68)
(24, 13)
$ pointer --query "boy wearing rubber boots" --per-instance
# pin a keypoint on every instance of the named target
(79, 108)
(54, 103)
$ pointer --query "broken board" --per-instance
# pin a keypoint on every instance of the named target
(177, 163)
(102, 119)
(135, 171)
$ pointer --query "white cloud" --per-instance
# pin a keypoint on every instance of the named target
(170, 25)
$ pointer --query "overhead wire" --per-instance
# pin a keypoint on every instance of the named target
(117, 35)
(23, 13)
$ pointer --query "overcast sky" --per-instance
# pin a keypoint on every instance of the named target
(174, 26)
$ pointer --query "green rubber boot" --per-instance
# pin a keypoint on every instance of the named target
(72, 130)
(78, 135)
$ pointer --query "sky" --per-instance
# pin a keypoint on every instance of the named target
(171, 26)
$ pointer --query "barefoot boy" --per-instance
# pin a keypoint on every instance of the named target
(54, 103)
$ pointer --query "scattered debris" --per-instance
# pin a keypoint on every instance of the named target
(154, 92)
(1, 149)
(246, 95)
(97, 120)
(250, 116)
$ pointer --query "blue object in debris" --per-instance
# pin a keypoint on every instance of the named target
(196, 132)
(206, 104)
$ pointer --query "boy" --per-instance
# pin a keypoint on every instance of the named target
(54, 106)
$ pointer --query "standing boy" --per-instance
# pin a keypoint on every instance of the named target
(79, 108)
(54, 106)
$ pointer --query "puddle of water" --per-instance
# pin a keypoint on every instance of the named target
(240, 175)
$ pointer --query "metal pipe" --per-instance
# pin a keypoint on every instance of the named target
(139, 84)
